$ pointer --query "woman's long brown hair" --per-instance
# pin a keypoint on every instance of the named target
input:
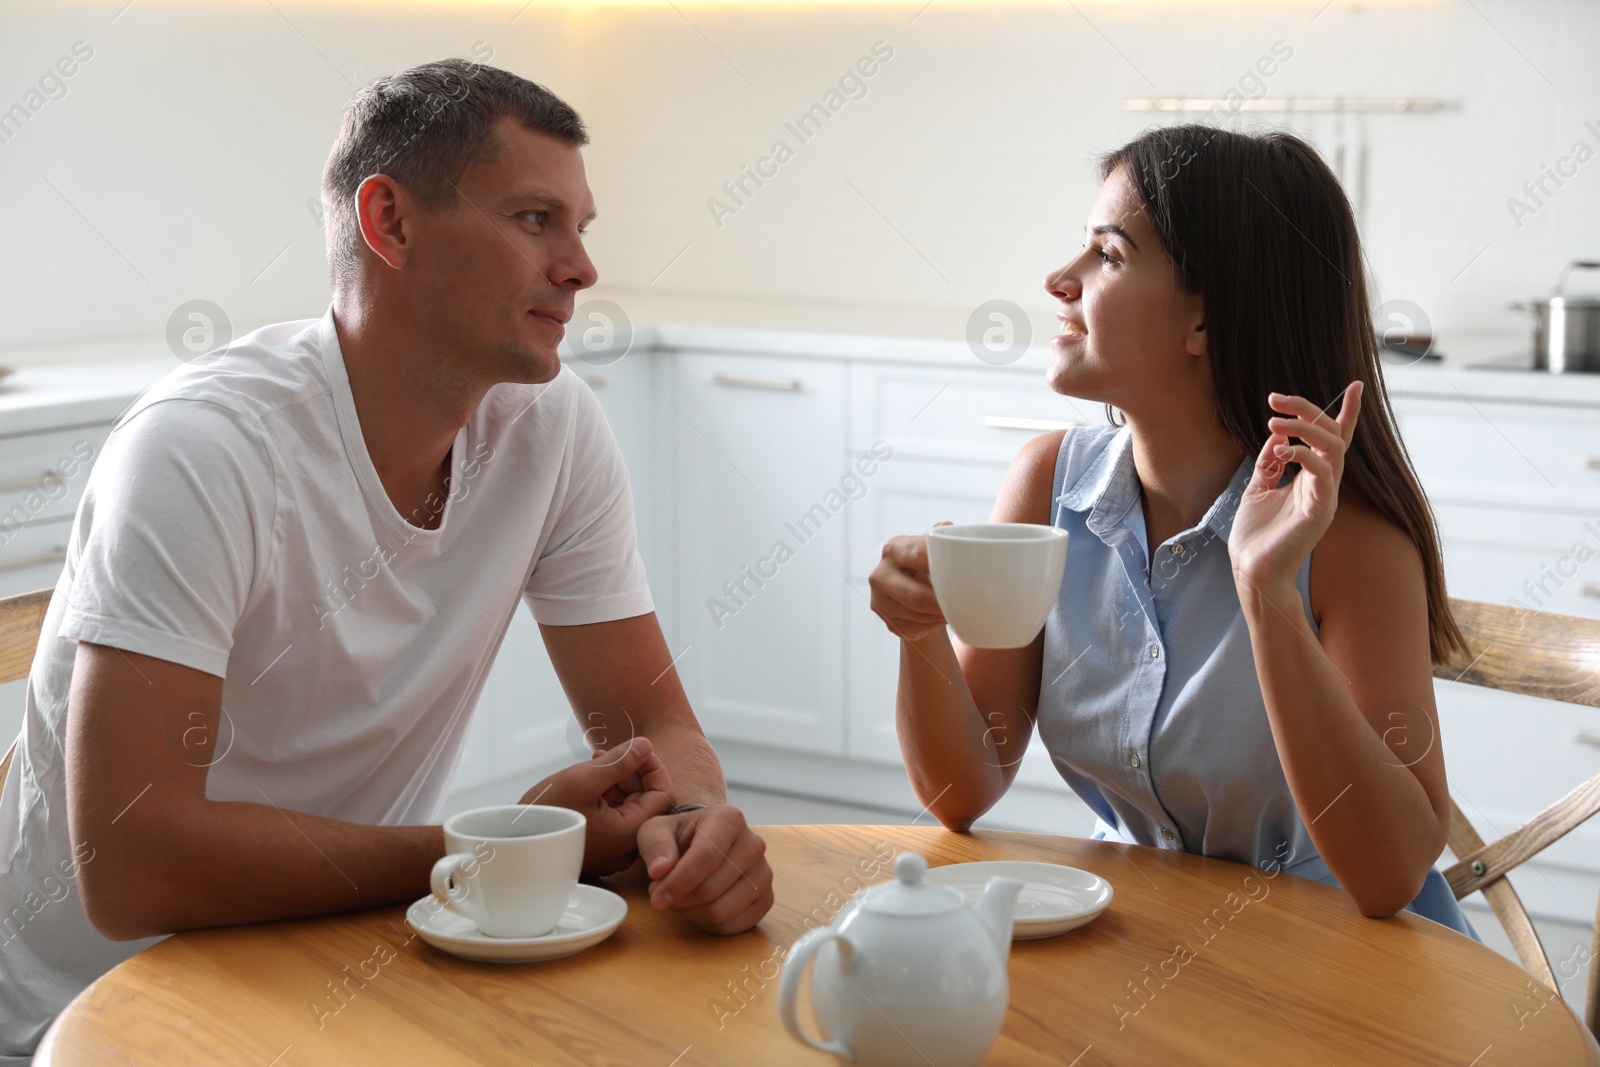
(1258, 226)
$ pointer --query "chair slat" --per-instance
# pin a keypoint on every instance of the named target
(1507, 907)
(1526, 841)
(1502, 900)
(21, 618)
(1534, 653)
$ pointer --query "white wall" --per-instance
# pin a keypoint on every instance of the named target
(194, 137)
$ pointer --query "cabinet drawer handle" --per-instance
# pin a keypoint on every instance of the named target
(1588, 737)
(1590, 589)
(58, 556)
(28, 483)
(594, 381)
(1014, 422)
(739, 381)
(1594, 463)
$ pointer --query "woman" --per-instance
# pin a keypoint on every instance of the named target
(1238, 662)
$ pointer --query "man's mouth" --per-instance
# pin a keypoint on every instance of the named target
(555, 319)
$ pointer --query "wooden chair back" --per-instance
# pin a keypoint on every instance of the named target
(21, 619)
(1543, 655)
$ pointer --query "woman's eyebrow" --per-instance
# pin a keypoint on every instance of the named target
(1111, 227)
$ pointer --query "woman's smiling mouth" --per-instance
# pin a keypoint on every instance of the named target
(1071, 330)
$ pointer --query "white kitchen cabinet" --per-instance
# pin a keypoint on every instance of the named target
(957, 414)
(1532, 559)
(907, 495)
(1506, 453)
(874, 675)
(760, 536)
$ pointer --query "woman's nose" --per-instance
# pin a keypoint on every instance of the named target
(1062, 285)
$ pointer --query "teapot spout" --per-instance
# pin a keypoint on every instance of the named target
(996, 908)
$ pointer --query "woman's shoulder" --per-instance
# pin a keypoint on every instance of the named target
(1042, 465)
(1359, 531)
(1364, 557)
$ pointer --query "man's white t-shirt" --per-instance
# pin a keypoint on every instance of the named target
(235, 524)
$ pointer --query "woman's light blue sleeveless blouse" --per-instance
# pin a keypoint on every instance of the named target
(1149, 702)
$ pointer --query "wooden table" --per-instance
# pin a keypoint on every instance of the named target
(1276, 971)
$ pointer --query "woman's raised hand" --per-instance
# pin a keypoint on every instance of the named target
(902, 595)
(1276, 528)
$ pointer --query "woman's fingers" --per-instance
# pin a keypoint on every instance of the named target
(1317, 436)
(1269, 468)
(909, 596)
(899, 584)
(907, 553)
(1299, 406)
(902, 595)
(1314, 462)
(1350, 410)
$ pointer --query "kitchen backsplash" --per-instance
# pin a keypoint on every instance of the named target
(939, 155)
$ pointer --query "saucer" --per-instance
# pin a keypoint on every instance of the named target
(592, 915)
(1053, 900)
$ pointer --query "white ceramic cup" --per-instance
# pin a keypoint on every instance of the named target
(995, 581)
(511, 869)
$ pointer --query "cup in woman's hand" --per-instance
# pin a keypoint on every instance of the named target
(996, 581)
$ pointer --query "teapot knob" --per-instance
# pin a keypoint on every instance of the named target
(909, 867)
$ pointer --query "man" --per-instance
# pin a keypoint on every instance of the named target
(296, 559)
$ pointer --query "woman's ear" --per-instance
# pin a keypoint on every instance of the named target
(1195, 343)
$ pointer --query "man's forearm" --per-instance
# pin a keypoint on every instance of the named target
(225, 863)
(691, 762)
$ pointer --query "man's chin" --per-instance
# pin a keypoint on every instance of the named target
(535, 365)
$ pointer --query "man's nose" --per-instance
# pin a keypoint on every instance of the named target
(574, 267)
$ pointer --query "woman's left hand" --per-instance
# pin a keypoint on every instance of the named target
(1276, 528)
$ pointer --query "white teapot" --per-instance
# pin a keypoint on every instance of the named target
(908, 974)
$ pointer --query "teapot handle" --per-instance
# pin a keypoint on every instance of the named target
(789, 988)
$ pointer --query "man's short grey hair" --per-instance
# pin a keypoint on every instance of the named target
(423, 126)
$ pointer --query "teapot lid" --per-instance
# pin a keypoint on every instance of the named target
(908, 894)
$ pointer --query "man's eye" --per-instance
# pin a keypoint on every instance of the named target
(536, 217)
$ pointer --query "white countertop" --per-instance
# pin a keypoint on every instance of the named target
(93, 381)
(70, 394)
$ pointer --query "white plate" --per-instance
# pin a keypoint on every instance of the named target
(1054, 898)
(592, 915)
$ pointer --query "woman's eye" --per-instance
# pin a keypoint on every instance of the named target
(1102, 254)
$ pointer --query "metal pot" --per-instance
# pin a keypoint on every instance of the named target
(1566, 335)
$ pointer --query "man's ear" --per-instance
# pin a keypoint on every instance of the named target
(381, 207)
